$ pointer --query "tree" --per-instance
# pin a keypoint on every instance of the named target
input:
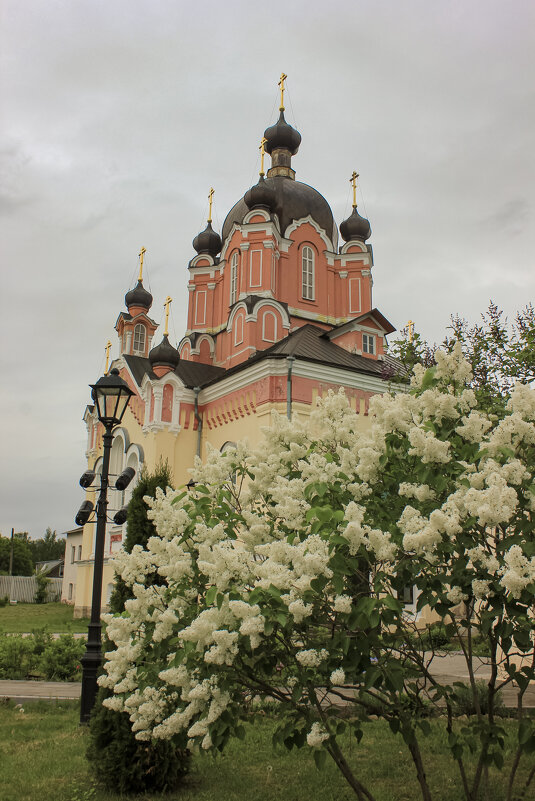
(48, 548)
(22, 558)
(258, 596)
(499, 354)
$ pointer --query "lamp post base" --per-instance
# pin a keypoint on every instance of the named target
(91, 662)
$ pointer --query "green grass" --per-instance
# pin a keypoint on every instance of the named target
(42, 756)
(55, 617)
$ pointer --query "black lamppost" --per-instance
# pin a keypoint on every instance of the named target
(111, 395)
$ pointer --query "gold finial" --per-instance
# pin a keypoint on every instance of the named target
(262, 154)
(210, 199)
(353, 181)
(410, 326)
(166, 305)
(281, 84)
(108, 348)
(141, 254)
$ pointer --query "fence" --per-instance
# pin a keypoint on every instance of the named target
(23, 588)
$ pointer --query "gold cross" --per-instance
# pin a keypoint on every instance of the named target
(262, 154)
(353, 181)
(166, 305)
(141, 254)
(108, 348)
(410, 326)
(281, 84)
(210, 198)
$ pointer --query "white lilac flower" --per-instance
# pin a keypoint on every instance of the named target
(316, 736)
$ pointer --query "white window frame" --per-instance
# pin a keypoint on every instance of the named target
(355, 301)
(275, 327)
(368, 344)
(140, 337)
(307, 273)
(239, 323)
(234, 278)
(200, 305)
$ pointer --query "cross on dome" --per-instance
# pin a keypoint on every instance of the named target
(283, 78)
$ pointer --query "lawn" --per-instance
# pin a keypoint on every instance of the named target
(55, 617)
(42, 756)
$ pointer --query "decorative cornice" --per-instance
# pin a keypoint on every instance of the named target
(308, 219)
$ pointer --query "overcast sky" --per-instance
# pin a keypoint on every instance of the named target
(118, 116)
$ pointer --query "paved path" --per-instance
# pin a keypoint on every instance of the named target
(22, 691)
(448, 667)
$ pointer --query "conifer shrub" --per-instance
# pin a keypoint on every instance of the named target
(126, 765)
(139, 528)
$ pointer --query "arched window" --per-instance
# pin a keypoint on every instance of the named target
(167, 404)
(238, 329)
(307, 264)
(139, 340)
(269, 327)
(233, 278)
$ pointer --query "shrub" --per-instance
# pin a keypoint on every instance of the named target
(464, 700)
(17, 658)
(4, 601)
(60, 658)
(126, 765)
(42, 587)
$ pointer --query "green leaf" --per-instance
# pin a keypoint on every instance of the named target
(429, 378)
(526, 730)
(210, 595)
(394, 725)
(320, 758)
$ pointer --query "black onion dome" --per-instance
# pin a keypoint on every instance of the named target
(293, 201)
(138, 296)
(282, 135)
(355, 227)
(260, 196)
(164, 355)
(208, 241)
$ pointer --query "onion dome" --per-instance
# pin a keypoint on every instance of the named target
(138, 296)
(208, 241)
(294, 200)
(164, 355)
(355, 227)
(261, 196)
(282, 135)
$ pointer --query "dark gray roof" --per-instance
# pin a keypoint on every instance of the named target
(192, 374)
(309, 343)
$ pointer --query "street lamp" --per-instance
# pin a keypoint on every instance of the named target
(111, 396)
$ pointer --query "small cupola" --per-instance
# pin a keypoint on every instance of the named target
(164, 357)
(139, 297)
(282, 142)
(261, 195)
(355, 227)
(208, 241)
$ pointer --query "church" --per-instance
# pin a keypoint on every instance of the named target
(279, 313)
